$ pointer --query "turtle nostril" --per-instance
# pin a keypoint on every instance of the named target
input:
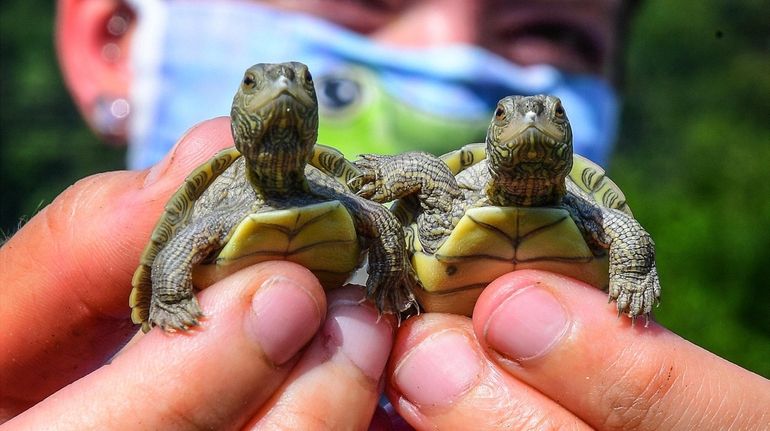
(284, 81)
(288, 73)
(530, 117)
(535, 107)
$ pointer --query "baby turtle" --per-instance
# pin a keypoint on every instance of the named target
(262, 201)
(522, 200)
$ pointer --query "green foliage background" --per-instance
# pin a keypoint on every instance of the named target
(693, 154)
(694, 161)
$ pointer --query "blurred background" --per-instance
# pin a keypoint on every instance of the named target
(693, 155)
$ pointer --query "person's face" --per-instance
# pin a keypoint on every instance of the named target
(573, 35)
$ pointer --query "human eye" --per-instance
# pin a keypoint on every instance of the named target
(574, 36)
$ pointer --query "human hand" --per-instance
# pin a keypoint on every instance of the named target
(273, 351)
(65, 322)
(547, 352)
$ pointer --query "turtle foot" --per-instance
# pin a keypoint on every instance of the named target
(390, 293)
(369, 184)
(635, 293)
(177, 316)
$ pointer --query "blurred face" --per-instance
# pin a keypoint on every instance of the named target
(573, 35)
(374, 98)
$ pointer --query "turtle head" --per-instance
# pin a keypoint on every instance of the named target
(275, 121)
(529, 148)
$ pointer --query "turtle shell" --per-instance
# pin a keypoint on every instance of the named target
(320, 236)
(491, 241)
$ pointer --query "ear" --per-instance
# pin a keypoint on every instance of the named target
(93, 41)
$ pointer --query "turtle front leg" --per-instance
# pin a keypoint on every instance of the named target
(173, 305)
(634, 282)
(389, 270)
(387, 178)
(633, 276)
(416, 175)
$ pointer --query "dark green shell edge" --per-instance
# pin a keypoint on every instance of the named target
(593, 180)
(332, 162)
(176, 214)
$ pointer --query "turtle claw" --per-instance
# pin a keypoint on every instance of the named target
(369, 184)
(364, 183)
(177, 316)
(388, 287)
(646, 319)
(358, 182)
(389, 293)
(367, 191)
(635, 294)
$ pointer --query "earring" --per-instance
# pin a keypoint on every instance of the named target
(116, 27)
(109, 118)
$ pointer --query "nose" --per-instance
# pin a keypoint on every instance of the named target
(282, 74)
(530, 117)
(433, 22)
(532, 108)
(283, 81)
(288, 72)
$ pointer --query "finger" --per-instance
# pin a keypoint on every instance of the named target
(335, 384)
(213, 377)
(440, 379)
(65, 277)
(561, 337)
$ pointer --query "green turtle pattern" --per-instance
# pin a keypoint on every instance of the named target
(520, 200)
(276, 195)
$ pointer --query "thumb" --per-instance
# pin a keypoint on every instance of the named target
(66, 275)
(215, 377)
(561, 337)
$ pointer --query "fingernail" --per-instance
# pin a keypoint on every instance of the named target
(158, 169)
(282, 319)
(439, 369)
(356, 330)
(527, 324)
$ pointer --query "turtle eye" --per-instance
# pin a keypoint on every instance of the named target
(308, 77)
(248, 81)
(559, 110)
(499, 113)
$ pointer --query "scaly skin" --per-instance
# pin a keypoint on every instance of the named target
(529, 157)
(275, 126)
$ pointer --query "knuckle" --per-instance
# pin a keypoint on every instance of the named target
(643, 385)
(63, 213)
